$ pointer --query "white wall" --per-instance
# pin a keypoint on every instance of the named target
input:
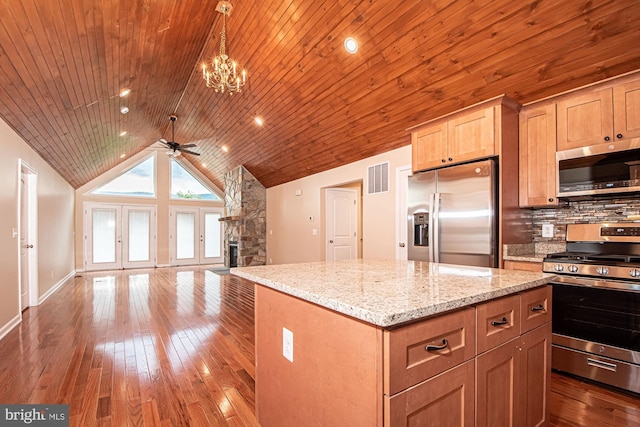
(290, 231)
(55, 247)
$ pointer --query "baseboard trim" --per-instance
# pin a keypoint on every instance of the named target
(10, 325)
(55, 287)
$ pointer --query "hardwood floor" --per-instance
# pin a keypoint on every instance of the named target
(175, 347)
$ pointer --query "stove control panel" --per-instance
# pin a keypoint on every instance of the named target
(629, 273)
(620, 231)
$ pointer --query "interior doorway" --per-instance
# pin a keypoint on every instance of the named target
(27, 235)
(342, 223)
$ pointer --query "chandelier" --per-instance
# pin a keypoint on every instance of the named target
(221, 72)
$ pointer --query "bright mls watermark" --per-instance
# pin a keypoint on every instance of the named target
(34, 415)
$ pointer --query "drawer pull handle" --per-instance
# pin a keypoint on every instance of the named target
(504, 321)
(538, 307)
(444, 345)
(603, 365)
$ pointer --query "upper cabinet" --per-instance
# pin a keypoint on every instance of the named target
(458, 138)
(538, 156)
(604, 113)
(591, 117)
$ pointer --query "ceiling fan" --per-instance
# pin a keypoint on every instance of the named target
(175, 148)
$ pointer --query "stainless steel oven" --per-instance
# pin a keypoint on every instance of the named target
(596, 304)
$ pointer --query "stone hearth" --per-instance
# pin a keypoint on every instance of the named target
(245, 203)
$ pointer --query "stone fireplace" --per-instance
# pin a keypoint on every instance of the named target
(245, 204)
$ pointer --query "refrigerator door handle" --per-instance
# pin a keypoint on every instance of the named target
(435, 228)
(430, 229)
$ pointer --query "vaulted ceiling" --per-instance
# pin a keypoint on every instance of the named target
(64, 62)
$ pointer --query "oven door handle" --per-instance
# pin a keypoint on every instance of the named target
(602, 365)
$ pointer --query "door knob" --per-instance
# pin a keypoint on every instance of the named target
(330, 241)
(401, 245)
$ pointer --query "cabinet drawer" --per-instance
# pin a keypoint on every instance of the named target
(409, 358)
(447, 399)
(535, 308)
(497, 321)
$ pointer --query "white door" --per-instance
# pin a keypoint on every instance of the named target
(27, 230)
(119, 236)
(196, 235)
(342, 223)
(402, 186)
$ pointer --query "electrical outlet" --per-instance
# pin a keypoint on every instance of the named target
(547, 230)
(287, 344)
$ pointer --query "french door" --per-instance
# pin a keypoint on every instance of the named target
(196, 235)
(119, 236)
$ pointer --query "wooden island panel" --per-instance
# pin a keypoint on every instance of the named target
(336, 373)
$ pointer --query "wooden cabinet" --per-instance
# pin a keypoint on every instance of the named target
(511, 374)
(599, 116)
(445, 370)
(523, 265)
(537, 178)
(447, 398)
(513, 378)
(585, 119)
(424, 349)
(497, 386)
(497, 321)
(467, 136)
(535, 377)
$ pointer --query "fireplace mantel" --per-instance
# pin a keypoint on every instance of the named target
(229, 218)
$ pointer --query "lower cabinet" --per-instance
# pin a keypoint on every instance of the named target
(513, 381)
(447, 398)
(431, 373)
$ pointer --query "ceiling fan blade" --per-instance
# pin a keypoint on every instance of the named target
(189, 152)
(188, 145)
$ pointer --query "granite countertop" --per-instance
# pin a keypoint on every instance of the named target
(387, 292)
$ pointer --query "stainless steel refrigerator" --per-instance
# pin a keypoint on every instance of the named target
(452, 215)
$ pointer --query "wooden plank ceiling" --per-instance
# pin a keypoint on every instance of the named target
(64, 62)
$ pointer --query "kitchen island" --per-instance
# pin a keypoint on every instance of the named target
(372, 343)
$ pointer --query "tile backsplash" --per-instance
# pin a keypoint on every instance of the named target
(585, 212)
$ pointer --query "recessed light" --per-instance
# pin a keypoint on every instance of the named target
(204, 165)
(258, 121)
(122, 155)
(124, 110)
(225, 148)
(124, 92)
(351, 45)
(123, 133)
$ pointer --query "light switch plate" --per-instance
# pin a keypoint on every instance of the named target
(287, 344)
(547, 230)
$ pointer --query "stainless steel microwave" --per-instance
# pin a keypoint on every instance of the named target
(599, 169)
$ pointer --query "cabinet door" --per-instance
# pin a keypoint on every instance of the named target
(429, 147)
(535, 376)
(538, 156)
(626, 110)
(471, 136)
(585, 119)
(497, 385)
(445, 400)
